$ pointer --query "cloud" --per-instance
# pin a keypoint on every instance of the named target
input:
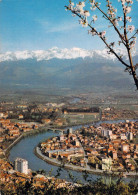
(65, 26)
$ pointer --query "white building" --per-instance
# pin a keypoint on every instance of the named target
(69, 131)
(77, 143)
(123, 136)
(61, 137)
(113, 136)
(125, 148)
(21, 165)
(109, 133)
(130, 136)
(106, 164)
(107, 109)
(1, 114)
(106, 133)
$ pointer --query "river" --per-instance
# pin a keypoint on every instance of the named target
(25, 149)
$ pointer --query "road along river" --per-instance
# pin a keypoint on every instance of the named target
(25, 149)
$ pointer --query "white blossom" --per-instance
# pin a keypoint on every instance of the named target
(83, 4)
(132, 43)
(127, 10)
(84, 23)
(119, 18)
(129, 19)
(94, 18)
(115, 10)
(131, 28)
(92, 32)
(115, 22)
(73, 15)
(102, 34)
(123, 2)
(80, 21)
(71, 6)
(86, 13)
(93, 2)
(111, 13)
(80, 6)
(93, 8)
(129, 1)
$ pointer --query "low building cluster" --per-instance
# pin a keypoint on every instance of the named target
(9, 131)
(65, 147)
(111, 147)
(114, 114)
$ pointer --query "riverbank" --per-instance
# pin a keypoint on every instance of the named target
(7, 150)
(93, 122)
(55, 162)
(38, 153)
(33, 132)
(30, 140)
(53, 128)
(23, 135)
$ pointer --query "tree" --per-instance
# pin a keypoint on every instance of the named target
(126, 33)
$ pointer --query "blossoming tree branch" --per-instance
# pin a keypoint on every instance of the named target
(121, 25)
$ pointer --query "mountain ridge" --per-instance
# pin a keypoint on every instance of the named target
(55, 52)
(78, 73)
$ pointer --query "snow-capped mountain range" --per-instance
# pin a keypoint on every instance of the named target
(55, 52)
(63, 68)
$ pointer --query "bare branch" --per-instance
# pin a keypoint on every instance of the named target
(132, 67)
(133, 35)
(121, 37)
(124, 38)
(111, 50)
(125, 33)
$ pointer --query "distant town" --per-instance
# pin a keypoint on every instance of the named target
(17, 119)
(106, 147)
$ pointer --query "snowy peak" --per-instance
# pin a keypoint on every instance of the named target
(55, 52)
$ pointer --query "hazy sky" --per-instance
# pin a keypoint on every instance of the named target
(43, 24)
